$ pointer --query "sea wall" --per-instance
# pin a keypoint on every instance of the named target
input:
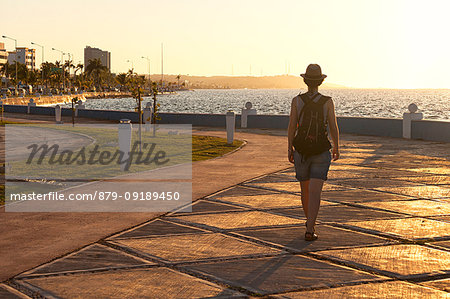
(61, 99)
(431, 130)
(42, 100)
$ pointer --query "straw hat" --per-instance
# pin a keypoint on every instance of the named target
(313, 72)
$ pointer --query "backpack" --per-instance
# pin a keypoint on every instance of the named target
(311, 138)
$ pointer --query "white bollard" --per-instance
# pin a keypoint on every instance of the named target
(125, 130)
(147, 116)
(79, 106)
(246, 112)
(31, 103)
(408, 117)
(58, 114)
(230, 122)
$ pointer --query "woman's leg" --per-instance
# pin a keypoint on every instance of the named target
(315, 190)
(304, 186)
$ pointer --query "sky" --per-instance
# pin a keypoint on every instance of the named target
(358, 43)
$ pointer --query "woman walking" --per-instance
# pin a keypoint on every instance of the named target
(308, 144)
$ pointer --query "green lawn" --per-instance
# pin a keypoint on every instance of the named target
(203, 148)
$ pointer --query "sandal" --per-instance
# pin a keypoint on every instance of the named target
(310, 236)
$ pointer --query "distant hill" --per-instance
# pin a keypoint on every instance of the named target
(235, 82)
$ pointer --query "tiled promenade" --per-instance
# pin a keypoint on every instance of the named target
(383, 227)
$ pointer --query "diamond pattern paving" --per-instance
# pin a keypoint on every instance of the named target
(341, 213)
(401, 189)
(373, 183)
(396, 260)
(146, 283)
(419, 192)
(157, 228)
(93, 257)
(240, 219)
(390, 289)
(292, 187)
(358, 195)
(273, 200)
(195, 247)
(241, 190)
(420, 207)
(330, 237)
(409, 228)
(281, 274)
(203, 206)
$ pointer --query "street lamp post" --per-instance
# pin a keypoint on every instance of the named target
(149, 80)
(15, 58)
(42, 70)
(62, 66)
(68, 65)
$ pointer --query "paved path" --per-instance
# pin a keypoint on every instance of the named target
(19, 138)
(383, 231)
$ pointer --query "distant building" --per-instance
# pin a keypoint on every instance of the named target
(24, 56)
(3, 54)
(96, 53)
(3, 60)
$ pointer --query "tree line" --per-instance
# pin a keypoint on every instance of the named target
(94, 76)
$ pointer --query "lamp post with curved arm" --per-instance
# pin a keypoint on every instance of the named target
(68, 66)
(42, 63)
(62, 66)
(15, 58)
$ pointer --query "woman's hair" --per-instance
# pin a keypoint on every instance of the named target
(312, 83)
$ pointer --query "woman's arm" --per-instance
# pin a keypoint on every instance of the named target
(334, 130)
(291, 130)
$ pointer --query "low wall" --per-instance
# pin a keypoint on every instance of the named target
(43, 100)
(386, 127)
(430, 130)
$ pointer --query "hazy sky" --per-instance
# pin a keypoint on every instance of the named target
(358, 43)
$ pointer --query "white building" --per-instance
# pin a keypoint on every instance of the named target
(3, 54)
(24, 56)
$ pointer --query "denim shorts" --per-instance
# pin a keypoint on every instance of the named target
(312, 167)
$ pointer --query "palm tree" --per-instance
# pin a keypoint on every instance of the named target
(47, 69)
(69, 65)
(95, 68)
(78, 78)
(122, 79)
